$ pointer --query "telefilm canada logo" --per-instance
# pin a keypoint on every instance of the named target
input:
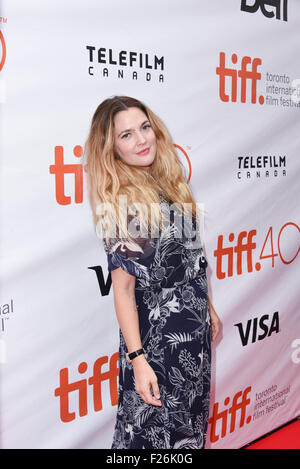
(125, 64)
(278, 8)
(261, 166)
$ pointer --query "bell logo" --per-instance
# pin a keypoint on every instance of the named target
(262, 5)
(243, 74)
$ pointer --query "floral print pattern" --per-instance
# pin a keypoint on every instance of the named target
(172, 303)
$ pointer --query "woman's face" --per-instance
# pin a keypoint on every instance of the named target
(135, 140)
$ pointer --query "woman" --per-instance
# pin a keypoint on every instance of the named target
(138, 194)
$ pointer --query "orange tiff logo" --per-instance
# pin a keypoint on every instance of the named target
(243, 74)
(60, 169)
(229, 415)
(80, 386)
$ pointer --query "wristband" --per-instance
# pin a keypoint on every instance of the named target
(134, 354)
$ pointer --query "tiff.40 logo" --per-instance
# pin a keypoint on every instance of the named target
(245, 244)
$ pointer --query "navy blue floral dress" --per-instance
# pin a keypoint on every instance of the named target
(172, 303)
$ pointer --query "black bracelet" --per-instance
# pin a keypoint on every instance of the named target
(136, 353)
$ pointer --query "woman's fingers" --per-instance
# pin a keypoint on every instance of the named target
(149, 399)
(147, 396)
(155, 389)
(215, 327)
(145, 378)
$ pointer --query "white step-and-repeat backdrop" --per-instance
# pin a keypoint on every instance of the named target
(224, 77)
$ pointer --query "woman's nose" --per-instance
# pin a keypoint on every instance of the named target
(140, 138)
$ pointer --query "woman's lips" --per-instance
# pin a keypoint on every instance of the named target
(144, 152)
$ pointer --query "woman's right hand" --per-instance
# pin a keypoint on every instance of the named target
(145, 378)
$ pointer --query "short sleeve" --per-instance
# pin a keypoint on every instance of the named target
(132, 255)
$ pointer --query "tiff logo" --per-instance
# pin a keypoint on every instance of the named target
(80, 386)
(277, 4)
(239, 403)
(60, 168)
(243, 74)
(221, 252)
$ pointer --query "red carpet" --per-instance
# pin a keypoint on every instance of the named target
(287, 437)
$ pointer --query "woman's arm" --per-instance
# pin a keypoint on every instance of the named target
(127, 315)
(125, 306)
(214, 320)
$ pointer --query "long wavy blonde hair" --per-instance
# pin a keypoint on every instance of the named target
(109, 177)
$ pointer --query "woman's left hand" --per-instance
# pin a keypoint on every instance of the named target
(214, 321)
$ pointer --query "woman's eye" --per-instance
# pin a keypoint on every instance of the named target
(146, 126)
(125, 135)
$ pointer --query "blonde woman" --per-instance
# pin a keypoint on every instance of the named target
(145, 212)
